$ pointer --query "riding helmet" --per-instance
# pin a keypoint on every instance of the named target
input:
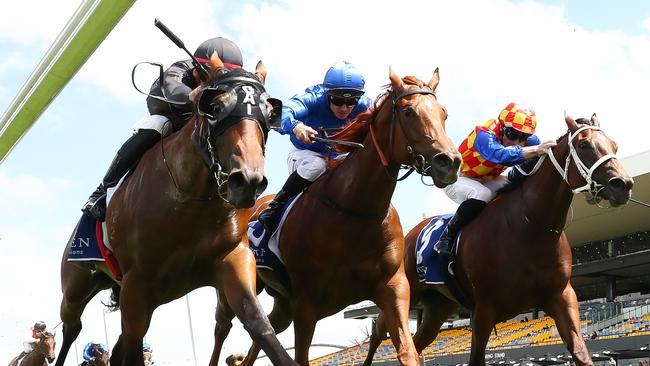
(227, 50)
(520, 118)
(40, 326)
(344, 79)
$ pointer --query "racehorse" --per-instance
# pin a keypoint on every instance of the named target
(179, 221)
(515, 255)
(42, 354)
(351, 249)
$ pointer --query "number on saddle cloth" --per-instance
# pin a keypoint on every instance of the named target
(427, 250)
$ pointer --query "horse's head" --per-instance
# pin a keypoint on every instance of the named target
(46, 346)
(595, 168)
(423, 142)
(237, 114)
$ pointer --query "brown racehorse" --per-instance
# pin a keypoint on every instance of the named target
(351, 247)
(515, 256)
(176, 225)
(42, 354)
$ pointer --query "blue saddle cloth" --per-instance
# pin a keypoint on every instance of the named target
(427, 251)
(85, 248)
(265, 245)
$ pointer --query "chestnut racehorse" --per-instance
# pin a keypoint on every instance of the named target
(515, 255)
(179, 221)
(342, 241)
(42, 354)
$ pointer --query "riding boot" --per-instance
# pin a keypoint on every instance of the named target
(465, 213)
(270, 217)
(125, 159)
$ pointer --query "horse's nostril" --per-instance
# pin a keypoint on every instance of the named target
(619, 185)
(442, 160)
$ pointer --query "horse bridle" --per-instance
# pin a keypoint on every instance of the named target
(420, 162)
(207, 125)
(591, 187)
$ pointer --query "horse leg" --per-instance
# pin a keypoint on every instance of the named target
(377, 335)
(483, 320)
(437, 309)
(79, 286)
(394, 300)
(223, 316)
(136, 318)
(280, 319)
(304, 324)
(236, 277)
(563, 308)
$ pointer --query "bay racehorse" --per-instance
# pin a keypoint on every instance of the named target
(42, 354)
(342, 241)
(515, 255)
(179, 221)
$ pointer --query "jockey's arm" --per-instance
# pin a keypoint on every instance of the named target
(492, 150)
(536, 149)
(293, 111)
(174, 87)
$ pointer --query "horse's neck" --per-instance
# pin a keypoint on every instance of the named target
(185, 163)
(547, 196)
(34, 358)
(361, 182)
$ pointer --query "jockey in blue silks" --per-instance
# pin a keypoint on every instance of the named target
(327, 106)
(88, 350)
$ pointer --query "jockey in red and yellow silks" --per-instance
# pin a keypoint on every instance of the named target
(487, 152)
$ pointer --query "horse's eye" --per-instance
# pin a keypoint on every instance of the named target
(584, 144)
(410, 112)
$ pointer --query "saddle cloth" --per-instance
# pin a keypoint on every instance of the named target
(90, 246)
(266, 246)
(428, 260)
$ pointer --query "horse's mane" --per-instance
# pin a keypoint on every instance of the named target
(515, 179)
(357, 129)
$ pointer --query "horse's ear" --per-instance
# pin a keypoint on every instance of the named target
(594, 120)
(395, 80)
(571, 124)
(260, 71)
(435, 79)
(215, 61)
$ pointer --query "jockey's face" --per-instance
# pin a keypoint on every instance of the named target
(511, 137)
(507, 142)
(342, 106)
(341, 112)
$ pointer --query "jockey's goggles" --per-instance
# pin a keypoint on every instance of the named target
(513, 134)
(346, 101)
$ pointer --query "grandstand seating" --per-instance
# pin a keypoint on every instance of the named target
(510, 334)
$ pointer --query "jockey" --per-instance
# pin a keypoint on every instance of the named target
(487, 152)
(329, 106)
(88, 354)
(34, 337)
(146, 347)
(180, 84)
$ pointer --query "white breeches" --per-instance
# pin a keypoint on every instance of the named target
(156, 122)
(309, 164)
(467, 187)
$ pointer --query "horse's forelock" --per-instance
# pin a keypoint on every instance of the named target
(584, 121)
(412, 80)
